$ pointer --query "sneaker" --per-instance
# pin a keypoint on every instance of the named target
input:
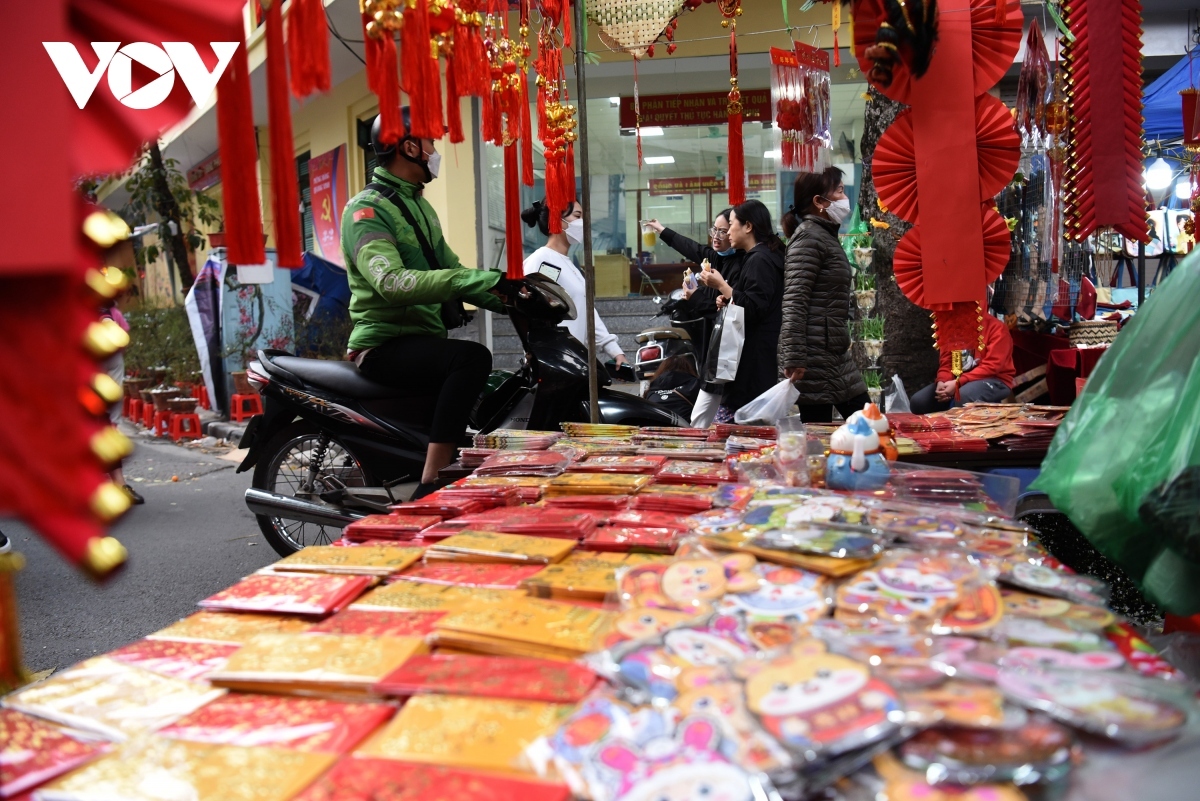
(5, 543)
(133, 496)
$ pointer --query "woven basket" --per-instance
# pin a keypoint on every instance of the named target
(632, 25)
(1092, 332)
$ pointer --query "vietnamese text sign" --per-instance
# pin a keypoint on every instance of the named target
(698, 185)
(701, 108)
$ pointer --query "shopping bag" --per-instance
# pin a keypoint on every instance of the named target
(1125, 463)
(896, 399)
(705, 410)
(769, 407)
(725, 347)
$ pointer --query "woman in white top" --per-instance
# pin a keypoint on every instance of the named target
(557, 266)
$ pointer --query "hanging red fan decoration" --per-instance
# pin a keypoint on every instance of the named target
(941, 60)
(894, 167)
(994, 44)
(1104, 183)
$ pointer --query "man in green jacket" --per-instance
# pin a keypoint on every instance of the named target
(390, 236)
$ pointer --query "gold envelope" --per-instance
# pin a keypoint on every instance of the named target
(309, 660)
(486, 733)
(418, 597)
(153, 769)
(366, 560)
(547, 623)
(236, 628)
(492, 546)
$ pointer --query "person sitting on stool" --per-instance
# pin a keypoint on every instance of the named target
(987, 375)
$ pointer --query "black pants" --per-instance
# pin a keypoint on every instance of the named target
(986, 390)
(453, 370)
(823, 412)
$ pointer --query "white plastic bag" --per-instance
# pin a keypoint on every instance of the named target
(705, 409)
(771, 406)
(896, 399)
(725, 348)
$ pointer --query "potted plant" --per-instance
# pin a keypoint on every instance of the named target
(874, 385)
(864, 291)
(870, 331)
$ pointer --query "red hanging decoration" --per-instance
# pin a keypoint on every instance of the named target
(285, 190)
(736, 184)
(381, 20)
(556, 123)
(470, 59)
(239, 163)
(308, 49)
(422, 78)
(512, 214)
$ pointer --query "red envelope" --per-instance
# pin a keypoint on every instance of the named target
(295, 724)
(471, 574)
(632, 540)
(183, 660)
(391, 527)
(33, 752)
(289, 593)
(491, 677)
(359, 779)
(379, 623)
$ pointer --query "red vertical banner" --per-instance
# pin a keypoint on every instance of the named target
(328, 196)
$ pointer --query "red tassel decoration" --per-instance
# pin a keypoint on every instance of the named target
(382, 78)
(285, 191)
(308, 48)
(737, 157)
(239, 157)
(512, 214)
(422, 78)
(453, 106)
(526, 134)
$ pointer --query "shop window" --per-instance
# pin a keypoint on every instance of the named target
(306, 214)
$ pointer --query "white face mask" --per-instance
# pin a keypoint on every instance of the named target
(435, 163)
(574, 231)
(839, 210)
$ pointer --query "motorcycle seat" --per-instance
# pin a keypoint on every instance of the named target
(340, 377)
(662, 333)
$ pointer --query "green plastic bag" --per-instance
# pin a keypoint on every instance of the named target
(858, 235)
(1125, 464)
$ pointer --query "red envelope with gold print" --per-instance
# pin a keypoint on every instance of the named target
(289, 593)
(183, 660)
(363, 779)
(296, 724)
(380, 623)
(33, 751)
(490, 676)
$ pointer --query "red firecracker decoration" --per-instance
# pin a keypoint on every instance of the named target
(285, 190)
(239, 163)
(1104, 182)
(308, 49)
(54, 403)
(730, 11)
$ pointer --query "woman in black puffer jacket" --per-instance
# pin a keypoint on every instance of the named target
(814, 344)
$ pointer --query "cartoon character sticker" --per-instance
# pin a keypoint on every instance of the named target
(1047, 581)
(654, 668)
(1100, 702)
(1029, 656)
(908, 586)
(691, 583)
(815, 701)
(685, 767)
(783, 594)
(712, 692)
(1052, 633)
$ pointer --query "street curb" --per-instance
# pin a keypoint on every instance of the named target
(223, 429)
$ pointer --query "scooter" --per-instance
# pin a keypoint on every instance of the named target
(332, 446)
(685, 336)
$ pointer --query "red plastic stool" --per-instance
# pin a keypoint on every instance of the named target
(162, 423)
(242, 407)
(148, 415)
(185, 426)
(134, 410)
(202, 396)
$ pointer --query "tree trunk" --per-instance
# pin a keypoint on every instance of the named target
(908, 350)
(168, 212)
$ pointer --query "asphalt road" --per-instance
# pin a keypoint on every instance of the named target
(192, 538)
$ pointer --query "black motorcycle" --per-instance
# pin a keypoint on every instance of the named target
(332, 446)
(687, 336)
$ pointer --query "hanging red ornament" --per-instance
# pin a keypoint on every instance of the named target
(736, 184)
(422, 78)
(308, 48)
(381, 19)
(285, 191)
(239, 161)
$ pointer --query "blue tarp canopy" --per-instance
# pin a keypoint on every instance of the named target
(1163, 107)
(324, 311)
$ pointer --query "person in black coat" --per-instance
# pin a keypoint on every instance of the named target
(814, 345)
(758, 289)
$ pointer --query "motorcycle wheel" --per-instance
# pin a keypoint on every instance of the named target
(284, 469)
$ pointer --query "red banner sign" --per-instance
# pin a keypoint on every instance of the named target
(701, 108)
(327, 182)
(697, 185)
(205, 174)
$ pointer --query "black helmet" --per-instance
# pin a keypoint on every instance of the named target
(383, 152)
